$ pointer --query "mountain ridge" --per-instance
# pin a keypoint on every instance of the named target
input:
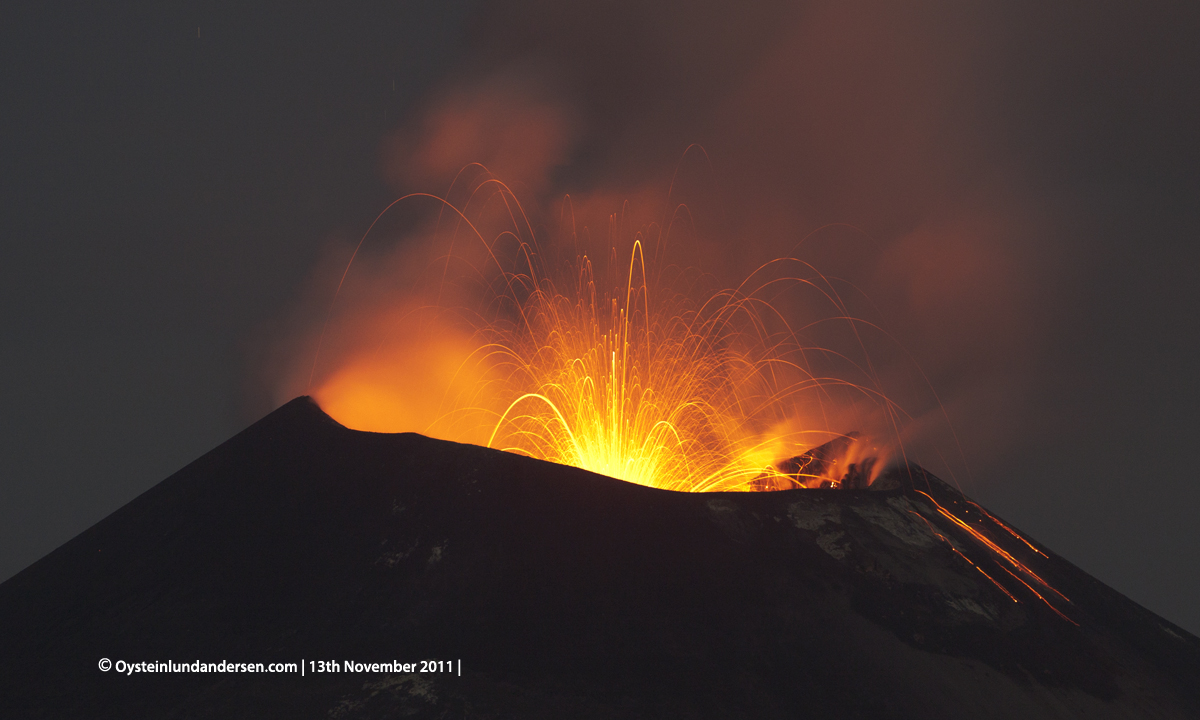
(563, 593)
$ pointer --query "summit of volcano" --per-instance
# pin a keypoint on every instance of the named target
(564, 593)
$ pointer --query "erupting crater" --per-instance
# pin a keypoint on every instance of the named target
(638, 373)
(633, 378)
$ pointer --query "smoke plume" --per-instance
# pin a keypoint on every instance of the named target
(856, 136)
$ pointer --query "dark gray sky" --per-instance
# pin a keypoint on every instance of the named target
(1029, 174)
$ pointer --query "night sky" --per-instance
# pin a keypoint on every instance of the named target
(1028, 174)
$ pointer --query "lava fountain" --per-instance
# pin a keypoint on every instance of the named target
(636, 373)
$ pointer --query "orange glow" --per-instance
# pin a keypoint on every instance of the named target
(401, 386)
(639, 382)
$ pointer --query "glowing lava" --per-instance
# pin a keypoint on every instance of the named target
(678, 400)
(637, 381)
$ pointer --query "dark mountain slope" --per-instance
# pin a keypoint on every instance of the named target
(564, 594)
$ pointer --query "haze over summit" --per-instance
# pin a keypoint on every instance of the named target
(1027, 173)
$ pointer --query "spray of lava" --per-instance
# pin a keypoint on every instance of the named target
(622, 373)
(635, 372)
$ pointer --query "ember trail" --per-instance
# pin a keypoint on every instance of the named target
(636, 380)
(666, 395)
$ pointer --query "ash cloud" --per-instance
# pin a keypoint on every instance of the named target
(518, 124)
(868, 138)
(868, 116)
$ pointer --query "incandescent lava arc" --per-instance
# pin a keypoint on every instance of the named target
(635, 368)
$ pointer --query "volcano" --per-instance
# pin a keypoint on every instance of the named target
(546, 591)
